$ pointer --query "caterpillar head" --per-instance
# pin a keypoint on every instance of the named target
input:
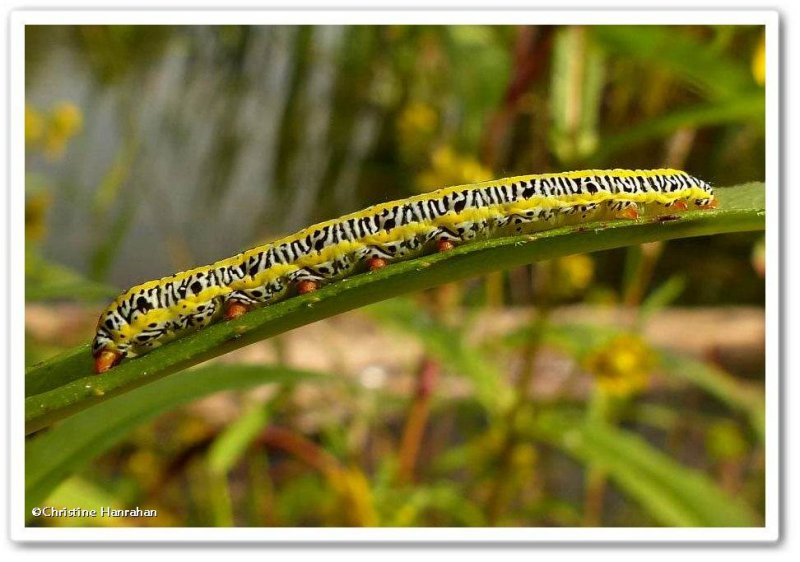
(109, 346)
(710, 201)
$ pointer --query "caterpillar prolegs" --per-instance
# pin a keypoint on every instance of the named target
(150, 314)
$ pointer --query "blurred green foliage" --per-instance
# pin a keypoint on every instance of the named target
(363, 114)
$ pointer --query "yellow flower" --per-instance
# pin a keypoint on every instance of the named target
(36, 207)
(145, 466)
(416, 129)
(572, 274)
(449, 168)
(65, 120)
(417, 118)
(34, 125)
(191, 430)
(622, 366)
(759, 65)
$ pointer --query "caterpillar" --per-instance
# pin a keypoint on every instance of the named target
(153, 313)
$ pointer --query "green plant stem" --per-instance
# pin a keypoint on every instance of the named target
(65, 385)
(261, 506)
(596, 479)
(596, 475)
(219, 498)
(501, 488)
(640, 264)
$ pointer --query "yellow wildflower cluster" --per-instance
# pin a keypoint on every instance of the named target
(571, 275)
(759, 65)
(50, 131)
(36, 206)
(622, 366)
(146, 467)
(417, 125)
(449, 168)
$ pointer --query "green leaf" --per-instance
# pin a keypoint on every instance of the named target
(744, 108)
(54, 455)
(672, 493)
(477, 96)
(45, 280)
(406, 508)
(578, 75)
(225, 452)
(674, 49)
(663, 295)
(82, 494)
(721, 385)
(229, 447)
(62, 386)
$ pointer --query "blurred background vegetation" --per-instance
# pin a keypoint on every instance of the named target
(619, 388)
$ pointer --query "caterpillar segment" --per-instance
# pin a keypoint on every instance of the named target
(155, 312)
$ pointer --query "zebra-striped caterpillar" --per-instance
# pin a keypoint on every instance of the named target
(155, 312)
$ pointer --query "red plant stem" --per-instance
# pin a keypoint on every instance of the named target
(300, 447)
(416, 420)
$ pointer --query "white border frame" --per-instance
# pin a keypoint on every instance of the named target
(18, 531)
